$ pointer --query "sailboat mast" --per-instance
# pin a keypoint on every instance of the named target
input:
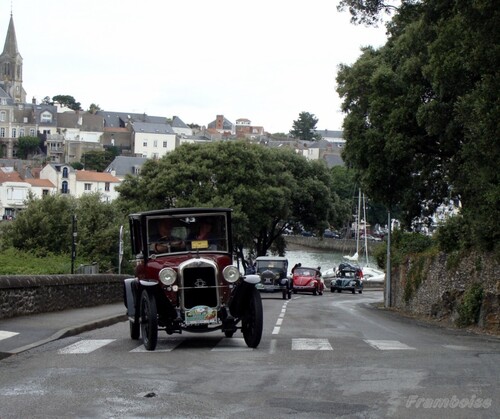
(366, 238)
(358, 220)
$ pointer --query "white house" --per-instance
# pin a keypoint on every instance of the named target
(152, 140)
(14, 191)
(79, 182)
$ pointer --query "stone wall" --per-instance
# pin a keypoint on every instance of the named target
(436, 286)
(23, 295)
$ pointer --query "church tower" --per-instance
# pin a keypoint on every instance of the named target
(11, 67)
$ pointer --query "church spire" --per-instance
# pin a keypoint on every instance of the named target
(11, 66)
(10, 47)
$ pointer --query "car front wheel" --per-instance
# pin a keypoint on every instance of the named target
(252, 322)
(149, 321)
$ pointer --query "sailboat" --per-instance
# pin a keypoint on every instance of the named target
(369, 273)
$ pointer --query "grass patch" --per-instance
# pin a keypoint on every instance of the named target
(16, 262)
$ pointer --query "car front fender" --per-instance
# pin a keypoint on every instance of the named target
(242, 294)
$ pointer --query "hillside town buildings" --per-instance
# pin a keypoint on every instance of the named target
(66, 135)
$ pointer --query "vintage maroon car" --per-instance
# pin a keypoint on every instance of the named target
(307, 280)
(185, 277)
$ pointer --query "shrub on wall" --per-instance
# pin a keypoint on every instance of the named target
(470, 307)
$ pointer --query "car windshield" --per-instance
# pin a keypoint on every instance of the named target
(304, 272)
(172, 234)
(272, 265)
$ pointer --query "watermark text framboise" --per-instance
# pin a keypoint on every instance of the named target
(454, 402)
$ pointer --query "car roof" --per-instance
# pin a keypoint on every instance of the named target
(174, 211)
(280, 258)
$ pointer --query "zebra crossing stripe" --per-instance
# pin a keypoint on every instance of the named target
(387, 345)
(85, 346)
(311, 345)
(6, 335)
(164, 345)
(231, 344)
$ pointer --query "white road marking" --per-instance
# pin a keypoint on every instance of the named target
(279, 322)
(458, 347)
(387, 345)
(311, 345)
(231, 344)
(6, 335)
(165, 345)
(85, 346)
(276, 330)
(272, 346)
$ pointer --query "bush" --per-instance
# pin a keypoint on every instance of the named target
(452, 235)
(470, 307)
(404, 244)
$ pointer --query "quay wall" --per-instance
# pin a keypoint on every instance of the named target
(30, 294)
(347, 246)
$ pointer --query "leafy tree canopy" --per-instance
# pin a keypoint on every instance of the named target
(303, 128)
(26, 146)
(45, 227)
(422, 113)
(368, 12)
(98, 160)
(68, 101)
(93, 108)
(268, 189)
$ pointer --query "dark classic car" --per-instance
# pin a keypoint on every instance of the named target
(272, 271)
(307, 280)
(348, 278)
(185, 277)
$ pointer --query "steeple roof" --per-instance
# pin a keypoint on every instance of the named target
(10, 47)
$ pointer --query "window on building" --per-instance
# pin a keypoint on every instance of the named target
(32, 132)
(2, 132)
(156, 156)
(64, 187)
(65, 172)
(45, 192)
(46, 117)
(88, 186)
(165, 144)
(14, 132)
(106, 186)
(21, 132)
(3, 116)
(155, 143)
(145, 143)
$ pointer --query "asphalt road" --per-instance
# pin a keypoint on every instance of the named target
(335, 355)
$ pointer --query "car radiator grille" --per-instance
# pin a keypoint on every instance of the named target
(200, 287)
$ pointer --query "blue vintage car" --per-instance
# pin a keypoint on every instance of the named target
(348, 278)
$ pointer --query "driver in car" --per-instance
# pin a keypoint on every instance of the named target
(165, 241)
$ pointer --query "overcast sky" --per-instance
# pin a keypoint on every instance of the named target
(265, 60)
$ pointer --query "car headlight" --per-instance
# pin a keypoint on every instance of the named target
(231, 273)
(167, 276)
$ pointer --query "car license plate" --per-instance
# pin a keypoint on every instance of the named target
(201, 315)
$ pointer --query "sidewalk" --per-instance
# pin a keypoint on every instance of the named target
(21, 333)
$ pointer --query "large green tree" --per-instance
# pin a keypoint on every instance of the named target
(268, 189)
(422, 112)
(304, 127)
(27, 145)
